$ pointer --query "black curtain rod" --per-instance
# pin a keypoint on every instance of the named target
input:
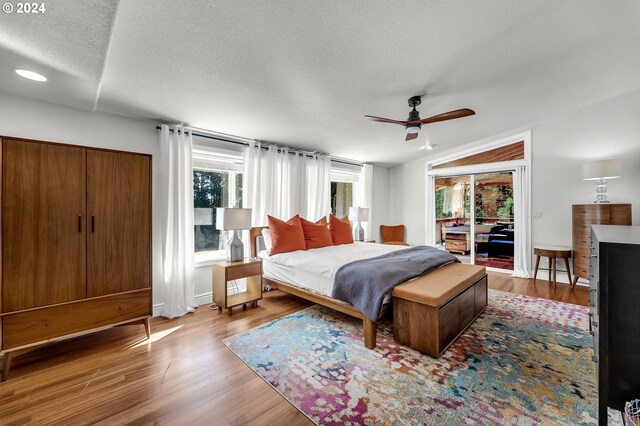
(216, 138)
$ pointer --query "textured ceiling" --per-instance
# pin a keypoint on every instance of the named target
(304, 73)
(68, 43)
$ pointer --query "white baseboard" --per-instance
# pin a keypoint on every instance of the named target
(561, 277)
(200, 299)
(157, 309)
(204, 298)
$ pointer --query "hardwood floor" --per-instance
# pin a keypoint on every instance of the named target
(184, 375)
(543, 289)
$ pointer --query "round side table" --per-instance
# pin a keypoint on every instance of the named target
(553, 253)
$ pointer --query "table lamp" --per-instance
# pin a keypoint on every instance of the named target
(359, 215)
(233, 219)
(600, 171)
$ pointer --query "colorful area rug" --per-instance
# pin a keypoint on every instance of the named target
(525, 361)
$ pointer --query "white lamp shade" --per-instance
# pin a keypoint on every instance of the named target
(358, 214)
(603, 169)
(203, 216)
(413, 129)
(229, 219)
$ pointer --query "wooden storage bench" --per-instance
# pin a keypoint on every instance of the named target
(430, 312)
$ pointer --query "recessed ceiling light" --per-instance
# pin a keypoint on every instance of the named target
(30, 75)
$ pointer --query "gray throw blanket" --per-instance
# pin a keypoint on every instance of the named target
(364, 283)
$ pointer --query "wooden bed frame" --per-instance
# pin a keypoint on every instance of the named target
(370, 327)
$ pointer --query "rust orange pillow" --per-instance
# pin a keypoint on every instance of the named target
(316, 234)
(340, 228)
(286, 236)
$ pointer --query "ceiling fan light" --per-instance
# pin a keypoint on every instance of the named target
(413, 129)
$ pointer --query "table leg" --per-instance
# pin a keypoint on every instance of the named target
(6, 365)
(535, 274)
(575, 281)
(566, 264)
(550, 268)
(147, 327)
(555, 268)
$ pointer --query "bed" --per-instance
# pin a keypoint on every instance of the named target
(370, 327)
(310, 275)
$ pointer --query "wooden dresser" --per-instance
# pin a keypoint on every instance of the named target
(76, 242)
(585, 215)
(615, 315)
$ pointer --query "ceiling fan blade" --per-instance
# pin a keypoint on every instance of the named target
(411, 136)
(459, 113)
(384, 120)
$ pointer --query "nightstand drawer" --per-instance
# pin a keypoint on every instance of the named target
(244, 271)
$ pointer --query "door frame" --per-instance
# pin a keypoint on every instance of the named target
(502, 166)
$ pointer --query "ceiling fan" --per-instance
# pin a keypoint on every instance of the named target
(414, 123)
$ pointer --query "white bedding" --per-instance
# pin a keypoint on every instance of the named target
(316, 269)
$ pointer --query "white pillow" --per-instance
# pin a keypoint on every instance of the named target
(266, 234)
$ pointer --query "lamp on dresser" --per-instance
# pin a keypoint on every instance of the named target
(600, 171)
(233, 219)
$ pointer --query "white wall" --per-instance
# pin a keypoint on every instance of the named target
(407, 199)
(560, 145)
(30, 119)
(380, 203)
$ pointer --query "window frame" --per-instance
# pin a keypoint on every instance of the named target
(345, 174)
(218, 161)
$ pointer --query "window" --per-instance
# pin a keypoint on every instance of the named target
(217, 182)
(343, 186)
(341, 198)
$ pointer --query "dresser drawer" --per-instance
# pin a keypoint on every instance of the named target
(44, 324)
(590, 213)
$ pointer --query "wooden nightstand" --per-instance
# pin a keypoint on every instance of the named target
(249, 269)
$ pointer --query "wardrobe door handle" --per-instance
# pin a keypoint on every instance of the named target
(80, 222)
(93, 223)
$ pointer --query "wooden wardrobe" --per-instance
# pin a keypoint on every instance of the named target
(585, 215)
(76, 242)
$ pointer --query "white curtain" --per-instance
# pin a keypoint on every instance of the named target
(283, 183)
(177, 220)
(318, 184)
(364, 196)
(430, 225)
(457, 200)
(447, 203)
(522, 237)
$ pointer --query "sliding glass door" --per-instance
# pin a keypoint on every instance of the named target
(494, 230)
(484, 234)
(453, 215)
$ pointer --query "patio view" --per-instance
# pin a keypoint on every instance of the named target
(483, 235)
